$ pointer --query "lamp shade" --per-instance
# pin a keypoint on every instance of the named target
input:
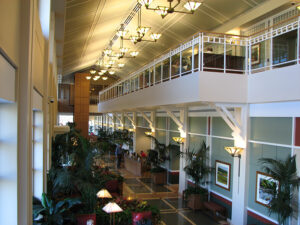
(103, 193)
(112, 207)
(233, 151)
(149, 133)
(179, 140)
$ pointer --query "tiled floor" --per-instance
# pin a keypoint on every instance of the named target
(165, 197)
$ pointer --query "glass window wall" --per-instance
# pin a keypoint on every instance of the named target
(166, 69)
(158, 73)
(186, 61)
(175, 65)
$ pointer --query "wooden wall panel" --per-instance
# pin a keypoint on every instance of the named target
(81, 103)
(297, 132)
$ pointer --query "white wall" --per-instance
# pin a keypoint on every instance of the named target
(7, 80)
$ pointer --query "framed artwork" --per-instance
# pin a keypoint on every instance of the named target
(264, 182)
(223, 174)
(255, 54)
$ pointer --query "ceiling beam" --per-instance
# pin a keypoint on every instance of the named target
(250, 15)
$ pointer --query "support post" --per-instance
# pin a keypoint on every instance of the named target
(183, 148)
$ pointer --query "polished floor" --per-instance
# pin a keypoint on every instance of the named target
(165, 197)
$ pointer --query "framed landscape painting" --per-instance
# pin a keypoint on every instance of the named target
(264, 183)
(223, 174)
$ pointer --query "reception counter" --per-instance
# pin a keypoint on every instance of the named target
(133, 166)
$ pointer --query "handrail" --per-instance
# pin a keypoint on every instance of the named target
(197, 40)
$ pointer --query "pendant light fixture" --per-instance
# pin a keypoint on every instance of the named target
(163, 11)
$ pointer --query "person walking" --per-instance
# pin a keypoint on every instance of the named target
(119, 152)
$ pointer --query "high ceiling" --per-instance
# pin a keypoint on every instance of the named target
(89, 25)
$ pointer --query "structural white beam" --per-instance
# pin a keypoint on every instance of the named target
(119, 118)
(130, 119)
(250, 15)
(151, 122)
(174, 118)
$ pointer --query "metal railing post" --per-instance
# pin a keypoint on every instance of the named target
(224, 66)
(202, 50)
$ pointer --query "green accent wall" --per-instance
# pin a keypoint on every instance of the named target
(173, 125)
(258, 151)
(195, 142)
(220, 128)
(218, 153)
(271, 129)
(197, 125)
(161, 136)
(161, 122)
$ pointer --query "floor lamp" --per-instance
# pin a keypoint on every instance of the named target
(112, 208)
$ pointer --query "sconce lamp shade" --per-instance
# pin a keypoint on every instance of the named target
(112, 207)
(179, 140)
(131, 130)
(148, 133)
(234, 151)
(103, 193)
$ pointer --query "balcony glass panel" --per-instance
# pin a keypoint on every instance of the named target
(175, 65)
(285, 49)
(166, 69)
(151, 75)
(136, 81)
(146, 79)
(260, 56)
(132, 87)
(186, 61)
(235, 58)
(196, 57)
(158, 73)
(213, 57)
(141, 80)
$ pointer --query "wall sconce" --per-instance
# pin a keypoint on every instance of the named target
(131, 130)
(179, 140)
(148, 133)
(234, 151)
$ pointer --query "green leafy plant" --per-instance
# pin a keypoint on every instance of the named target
(160, 154)
(49, 212)
(197, 167)
(285, 172)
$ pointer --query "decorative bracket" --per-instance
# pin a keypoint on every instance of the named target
(148, 120)
(131, 120)
(232, 120)
(120, 119)
(174, 118)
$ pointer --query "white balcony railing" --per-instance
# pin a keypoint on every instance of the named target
(273, 48)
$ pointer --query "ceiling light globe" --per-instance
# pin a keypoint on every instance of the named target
(162, 10)
(123, 50)
(155, 36)
(192, 6)
(121, 65)
(134, 54)
(122, 33)
(92, 71)
(111, 72)
(104, 77)
(88, 77)
(107, 51)
(146, 3)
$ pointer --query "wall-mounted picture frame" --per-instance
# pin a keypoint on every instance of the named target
(255, 54)
(264, 182)
(222, 176)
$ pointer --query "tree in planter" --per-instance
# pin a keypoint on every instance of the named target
(156, 157)
(198, 170)
(285, 172)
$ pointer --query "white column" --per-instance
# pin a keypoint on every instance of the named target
(183, 148)
(240, 174)
(134, 132)
(25, 115)
(153, 128)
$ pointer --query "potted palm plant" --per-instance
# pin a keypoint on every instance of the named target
(155, 158)
(197, 169)
(285, 172)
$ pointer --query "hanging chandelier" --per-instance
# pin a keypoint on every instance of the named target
(163, 11)
(141, 31)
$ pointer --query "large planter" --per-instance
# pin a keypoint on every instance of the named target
(195, 201)
(159, 178)
(86, 219)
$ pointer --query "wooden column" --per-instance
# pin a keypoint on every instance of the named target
(81, 103)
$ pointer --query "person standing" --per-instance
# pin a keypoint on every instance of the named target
(118, 153)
